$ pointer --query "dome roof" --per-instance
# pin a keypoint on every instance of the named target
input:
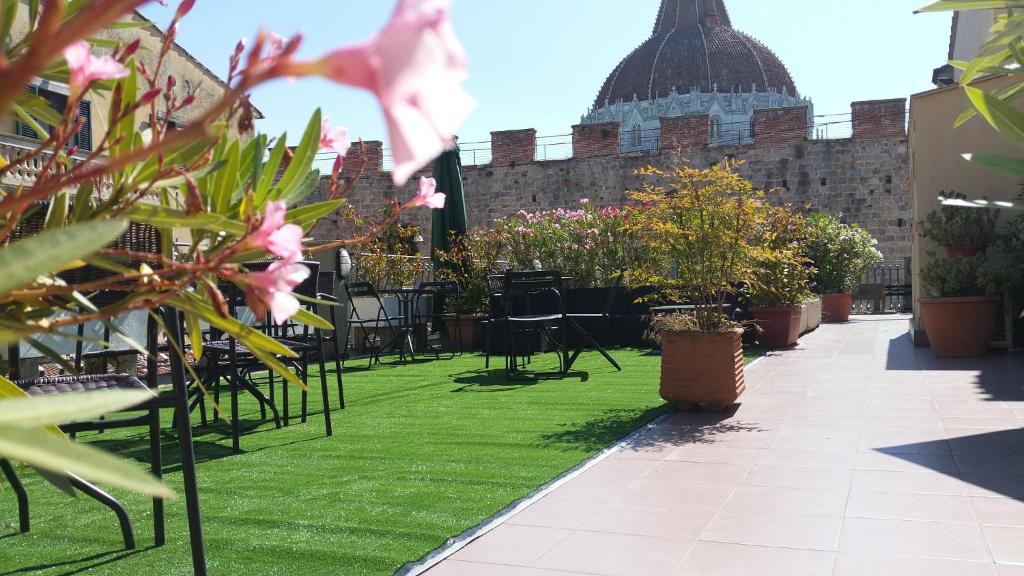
(694, 46)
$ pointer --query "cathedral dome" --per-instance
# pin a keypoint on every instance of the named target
(694, 47)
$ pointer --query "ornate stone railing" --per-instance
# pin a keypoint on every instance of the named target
(24, 174)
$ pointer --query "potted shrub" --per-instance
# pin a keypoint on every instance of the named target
(777, 294)
(474, 256)
(841, 254)
(962, 231)
(699, 226)
(958, 315)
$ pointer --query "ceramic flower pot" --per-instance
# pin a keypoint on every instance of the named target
(702, 368)
(780, 327)
(837, 307)
(471, 327)
(962, 250)
(959, 327)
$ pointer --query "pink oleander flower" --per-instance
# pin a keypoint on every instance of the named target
(282, 240)
(272, 289)
(415, 66)
(333, 139)
(427, 195)
(86, 68)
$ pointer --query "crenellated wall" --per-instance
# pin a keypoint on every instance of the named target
(866, 178)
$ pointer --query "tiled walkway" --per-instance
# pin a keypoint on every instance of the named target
(853, 454)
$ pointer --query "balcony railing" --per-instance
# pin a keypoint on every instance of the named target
(25, 173)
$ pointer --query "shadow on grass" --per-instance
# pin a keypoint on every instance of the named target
(97, 561)
(601, 432)
(495, 380)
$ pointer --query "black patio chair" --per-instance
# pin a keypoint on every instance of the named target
(326, 286)
(597, 322)
(146, 414)
(495, 314)
(534, 306)
(443, 296)
(374, 321)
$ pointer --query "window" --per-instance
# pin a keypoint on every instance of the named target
(716, 128)
(58, 101)
(637, 136)
(188, 88)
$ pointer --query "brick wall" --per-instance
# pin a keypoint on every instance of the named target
(374, 161)
(880, 119)
(512, 147)
(866, 180)
(593, 140)
(780, 126)
(681, 133)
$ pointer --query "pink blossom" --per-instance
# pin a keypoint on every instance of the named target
(333, 139)
(415, 66)
(86, 68)
(427, 195)
(282, 240)
(273, 289)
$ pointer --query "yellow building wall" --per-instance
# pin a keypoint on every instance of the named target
(937, 164)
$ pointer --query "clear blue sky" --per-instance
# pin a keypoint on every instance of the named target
(539, 63)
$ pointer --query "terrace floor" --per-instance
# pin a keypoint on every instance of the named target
(853, 454)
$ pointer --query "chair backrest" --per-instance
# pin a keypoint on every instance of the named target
(533, 292)
(361, 290)
(326, 282)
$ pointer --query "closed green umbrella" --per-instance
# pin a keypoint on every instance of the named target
(451, 218)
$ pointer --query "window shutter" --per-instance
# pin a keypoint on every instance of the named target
(85, 134)
(23, 130)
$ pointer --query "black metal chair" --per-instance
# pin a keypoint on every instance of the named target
(534, 306)
(495, 314)
(326, 286)
(375, 321)
(443, 296)
(597, 322)
(146, 414)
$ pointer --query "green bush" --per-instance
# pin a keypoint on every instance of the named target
(959, 277)
(841, 253)
(960, 226)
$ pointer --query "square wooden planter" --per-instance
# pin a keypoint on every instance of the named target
(702, 368)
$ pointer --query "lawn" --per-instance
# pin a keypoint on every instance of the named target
(423, 452)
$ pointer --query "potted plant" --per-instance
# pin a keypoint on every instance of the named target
(958, 314)
(474, 256)
(699, 226)
(841, 254)
(777, 294)
(962, 231)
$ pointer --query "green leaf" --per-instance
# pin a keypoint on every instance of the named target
(40, 411)
(195, 335)
(948, 5)
(83, 202)
(1006, 119)
(269, 170)
(162, 217)
(32, 123)
(57, 454)
(302, 158)
(308, 318)
(25, 260)
(309, 214)
(40, 108)
(8, 14)
(1009, 166)
(252, 339)
(57, 216)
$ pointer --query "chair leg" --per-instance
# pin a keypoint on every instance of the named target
(19, 493)
(286, 411)
(156, 459)
(236, 432)
(110, 502)
(305, 378)
(271, 385)
(323, 392)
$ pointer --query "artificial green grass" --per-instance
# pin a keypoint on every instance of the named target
(423, 452)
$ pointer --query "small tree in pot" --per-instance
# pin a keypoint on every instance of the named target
(959, 315)
(960, 230)
(700, 226)
(778, 285)
(474, 256)
(841, 254)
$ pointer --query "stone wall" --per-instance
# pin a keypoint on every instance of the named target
(880, 119)
(865, 179)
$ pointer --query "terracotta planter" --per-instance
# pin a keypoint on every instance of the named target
(780, 327)
(702, 368)
(810, 315)
(837, 307)
(472, 330)
(959, 327)
(964, 250)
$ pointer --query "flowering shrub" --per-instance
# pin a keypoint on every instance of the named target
(390, 259)
(589, 244)
(226, 196)
(474, 256)
(841, 254)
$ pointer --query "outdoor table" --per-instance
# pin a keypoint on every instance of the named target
(407, 299)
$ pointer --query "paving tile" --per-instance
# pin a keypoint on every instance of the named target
(661, 521)
(906, 462)
(808, 459)
(995, 484)
(776, 530)
(679, 473)
(558, 511)
(996, 422)
(772, 500)
(511, 545)
(716, 559)
(874, 565)
(923, 539)
(614, 554)
(715, 454)
(1010, 569)
(904, 440)
(927, 482)
(679, 495)
(1007, 543)
(999, 511)
(925, 507)
(461, 568)
(810, 478)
